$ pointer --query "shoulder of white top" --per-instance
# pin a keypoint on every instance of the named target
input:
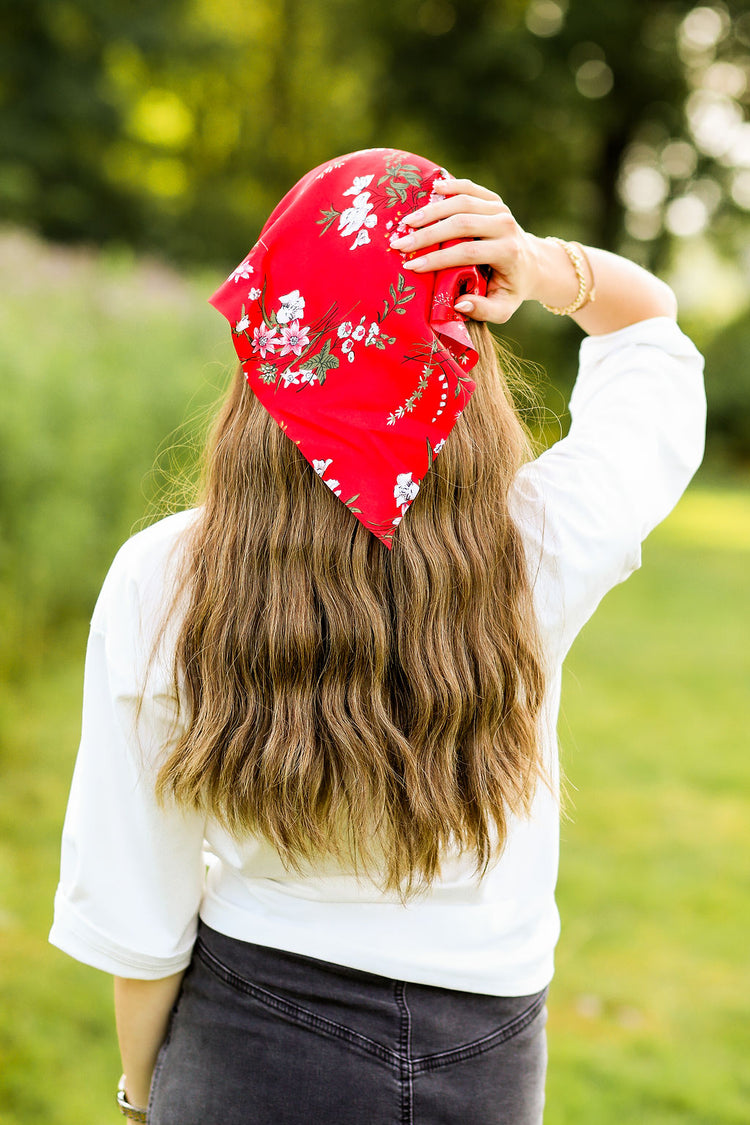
(660, 331)
(143, 556)
(156, 538)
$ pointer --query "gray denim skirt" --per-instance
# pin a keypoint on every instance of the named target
(259, 1036)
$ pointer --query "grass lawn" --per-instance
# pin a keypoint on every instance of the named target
(649, 1008)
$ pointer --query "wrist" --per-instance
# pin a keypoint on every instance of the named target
(553, 277)
(134, 1110)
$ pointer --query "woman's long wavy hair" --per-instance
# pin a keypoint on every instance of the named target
(346, 701)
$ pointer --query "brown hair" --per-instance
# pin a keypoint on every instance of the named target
(348, 701)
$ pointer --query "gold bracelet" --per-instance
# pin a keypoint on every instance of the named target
(583, 295)
(592, 292)
(134, 1112)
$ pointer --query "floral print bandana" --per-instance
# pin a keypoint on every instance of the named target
(363, 364)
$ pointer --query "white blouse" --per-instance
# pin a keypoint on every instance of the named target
(135, 877)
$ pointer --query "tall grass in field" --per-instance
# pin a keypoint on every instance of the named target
(102, 362)
(105, 360)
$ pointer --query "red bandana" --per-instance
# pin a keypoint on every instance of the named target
(363, 365)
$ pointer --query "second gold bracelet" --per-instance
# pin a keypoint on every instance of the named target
(584, 294)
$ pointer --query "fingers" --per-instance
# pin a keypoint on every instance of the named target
(496, 310)
(456, 204)
(466, 187)
(483, 232)
(489, 224)
(471, 253)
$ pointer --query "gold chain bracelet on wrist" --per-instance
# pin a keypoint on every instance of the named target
(133, 1112)
(584, 294)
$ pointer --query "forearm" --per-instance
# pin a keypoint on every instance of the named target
(624, 292)
(142, 1010)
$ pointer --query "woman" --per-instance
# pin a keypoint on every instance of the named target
(342, 700)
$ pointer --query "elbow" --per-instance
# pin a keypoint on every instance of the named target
(667, 300)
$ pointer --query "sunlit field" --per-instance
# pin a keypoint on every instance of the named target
(649, 1010)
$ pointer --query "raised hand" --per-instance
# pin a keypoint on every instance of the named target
(525, 267)
(492, 238)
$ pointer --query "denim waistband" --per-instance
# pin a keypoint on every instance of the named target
(443, 1023)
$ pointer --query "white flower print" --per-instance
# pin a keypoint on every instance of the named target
(242, 272)
(397, 521)
(372, 333)
(320, 467)
(361, 240)
(352, 218)
(242, 324)
(254, 295)
(294, 339)
(355, 218)
(263, 340)
(335, 164)
(436, 196)
(405, 491)
(344, 329)
(307, 375)
(360, 183)
(347, 348)
(291, 378)
(359, 331)
(439, 446)
(292, 307)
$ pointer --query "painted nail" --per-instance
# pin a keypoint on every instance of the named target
(463, 306)
(413, 264)
(414, 217)
(403, 242)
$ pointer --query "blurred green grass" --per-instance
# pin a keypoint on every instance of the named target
(648, 1010)
(105, 358)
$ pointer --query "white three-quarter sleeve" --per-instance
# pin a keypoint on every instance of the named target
(132, 872)
(637, 433)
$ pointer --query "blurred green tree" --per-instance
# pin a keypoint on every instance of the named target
(728, 391)
(542, 98)
(177, 126)
(59, 112)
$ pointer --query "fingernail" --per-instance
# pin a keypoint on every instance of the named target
(413, 264)
(403, 241)
(414, 217)
(463, 306)
(440, 184)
